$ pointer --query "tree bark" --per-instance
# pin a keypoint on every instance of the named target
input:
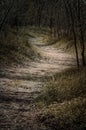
(5, 17)
(74, 32)
(81, 34)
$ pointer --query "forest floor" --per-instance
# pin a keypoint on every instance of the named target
(19, 86)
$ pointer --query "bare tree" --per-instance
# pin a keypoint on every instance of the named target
(6, 15)
(81, 32)
(69, 7)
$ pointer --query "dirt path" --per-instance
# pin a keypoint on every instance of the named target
(21, 85)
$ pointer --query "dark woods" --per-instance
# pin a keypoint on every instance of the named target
(64, 18)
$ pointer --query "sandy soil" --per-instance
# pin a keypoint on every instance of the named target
(19, 86)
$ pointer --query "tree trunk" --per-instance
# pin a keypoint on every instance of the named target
(74, 33)
(5, 17)
(81, 34)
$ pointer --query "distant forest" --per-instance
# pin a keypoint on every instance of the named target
(64, 18)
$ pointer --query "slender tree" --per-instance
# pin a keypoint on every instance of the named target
(68, 5)
(81, 32)
(6, 15)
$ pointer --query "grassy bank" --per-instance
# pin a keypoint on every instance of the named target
(66, 44)
(63, 101)
(15, 47)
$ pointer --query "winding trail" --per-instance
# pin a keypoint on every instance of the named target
(21, 85)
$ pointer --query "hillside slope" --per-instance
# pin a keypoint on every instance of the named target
(15, 48)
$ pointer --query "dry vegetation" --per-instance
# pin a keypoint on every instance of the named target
(63, 101)
(66, 44)
(15, 47)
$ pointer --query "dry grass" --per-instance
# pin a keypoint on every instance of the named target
(66, 44)
(63, 101)
(15, 47)
(69, 115)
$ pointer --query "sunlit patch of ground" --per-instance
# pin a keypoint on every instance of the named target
(20, 86)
